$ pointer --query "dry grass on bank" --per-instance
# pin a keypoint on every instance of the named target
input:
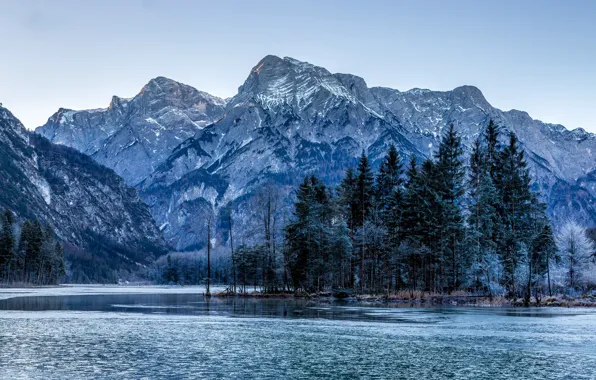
(421, 298)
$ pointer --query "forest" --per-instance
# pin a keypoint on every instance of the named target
(452, 223)
(35, 258)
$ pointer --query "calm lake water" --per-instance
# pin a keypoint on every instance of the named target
(187, 337)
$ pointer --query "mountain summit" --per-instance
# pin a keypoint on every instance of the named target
(134, 136)
(275, 81)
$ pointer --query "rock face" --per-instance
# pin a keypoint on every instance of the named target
(290, 118)
(102, 221)
(133, 136)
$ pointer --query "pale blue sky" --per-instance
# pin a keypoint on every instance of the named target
(535, 56)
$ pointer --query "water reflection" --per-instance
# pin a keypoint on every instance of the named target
(192, 304)
(188, 304)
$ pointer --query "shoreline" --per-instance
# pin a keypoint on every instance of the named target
(417, 299)
(427, 300)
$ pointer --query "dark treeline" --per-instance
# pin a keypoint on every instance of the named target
(36, 257)
(432, 227)
(442, 225)
(186, 268)
(449, 223)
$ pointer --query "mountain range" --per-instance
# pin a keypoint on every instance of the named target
(189, 153)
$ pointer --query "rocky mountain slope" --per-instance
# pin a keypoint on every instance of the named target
(101, 220)
(290, 118)
(133, 136)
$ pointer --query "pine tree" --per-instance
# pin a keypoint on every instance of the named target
(365, 194)
(421, 225)
(318, 244)
(46, 261)
(364, 190)
(483, 219)
(21, 263)
(433, 227)
(493, 151)
(171, 272)
(405, 257)
(340, 253)
(450, 175)
(388, 181)
(33, 256)
(247, 260)
(542, 251)
(302, 235)
(208, 278)
(513, 181)
(7, 243)
(322, 224)
(348, 198)
(393, 223)
(410, 207)
(58, 268)
(348, 203)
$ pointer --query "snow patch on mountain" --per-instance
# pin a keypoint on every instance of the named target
(44, 188)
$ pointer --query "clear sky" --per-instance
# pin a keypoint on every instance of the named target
(537, 56)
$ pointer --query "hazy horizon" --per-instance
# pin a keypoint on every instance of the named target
(534, 57)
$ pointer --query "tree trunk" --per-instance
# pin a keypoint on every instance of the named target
(208, 294)
(528, 294)
(550, 294)
(232, 251)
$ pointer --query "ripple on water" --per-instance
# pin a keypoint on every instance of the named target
(133, 342)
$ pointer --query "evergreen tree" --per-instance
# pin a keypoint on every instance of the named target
(432, 227)
(39, 258)
(483, 219)
(409, 216)
(318, 240)
(58, 268)
(171, 272)
(389, 181)
(322, 222)
(421, 225)
(450, 175)
(348, 204)
(412, 249)
(513, 182)
(340, 254)
(364, 190)
(364, 194)
(542, 251)
(303, 235)
(348, 198)
(247, 261)
(389, 195)
(50, 266)
(493, 150)
(33, 254)
(7, 243)
(21, 264)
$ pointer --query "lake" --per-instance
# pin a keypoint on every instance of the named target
(185, 336)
